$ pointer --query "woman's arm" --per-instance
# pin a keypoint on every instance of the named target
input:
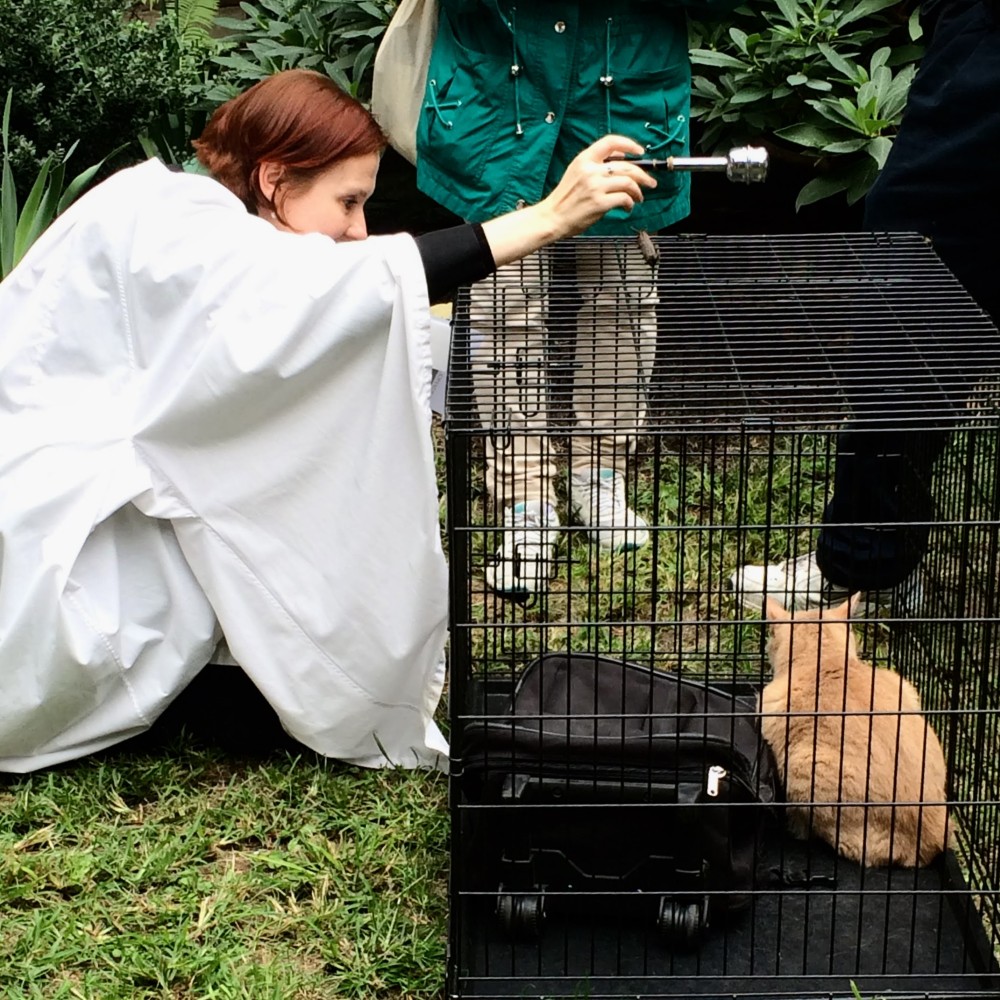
(591, 187)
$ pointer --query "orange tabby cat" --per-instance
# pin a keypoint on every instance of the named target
(842, 760)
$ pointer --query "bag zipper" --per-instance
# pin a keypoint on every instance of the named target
(715, 775)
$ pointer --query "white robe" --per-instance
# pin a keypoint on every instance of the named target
(210, 429)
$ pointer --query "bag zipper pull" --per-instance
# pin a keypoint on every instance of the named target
(715, 775)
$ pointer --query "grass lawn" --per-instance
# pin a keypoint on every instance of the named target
(187, 872)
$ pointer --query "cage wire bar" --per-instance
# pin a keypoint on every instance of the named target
(732, 365)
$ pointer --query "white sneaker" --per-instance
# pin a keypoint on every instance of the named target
(524, 562)
(598, 499)
(799, 583)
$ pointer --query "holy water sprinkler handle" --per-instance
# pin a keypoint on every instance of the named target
(744, 163)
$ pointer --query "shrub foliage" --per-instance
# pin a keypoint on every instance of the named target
(824, 81)
(99, 72)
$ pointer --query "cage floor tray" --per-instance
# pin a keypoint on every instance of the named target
(891, 931)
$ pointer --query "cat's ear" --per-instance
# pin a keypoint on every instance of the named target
(775, 612)
(845, 609)
(839, 612)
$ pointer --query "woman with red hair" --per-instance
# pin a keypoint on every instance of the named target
(214, 395)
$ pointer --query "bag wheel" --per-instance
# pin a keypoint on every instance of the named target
(680, 922)
(521, 915)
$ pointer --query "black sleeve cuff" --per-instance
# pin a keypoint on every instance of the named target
(454, 257)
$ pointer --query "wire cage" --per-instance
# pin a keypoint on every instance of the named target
(624, 822)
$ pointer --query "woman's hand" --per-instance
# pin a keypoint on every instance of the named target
(597, 181)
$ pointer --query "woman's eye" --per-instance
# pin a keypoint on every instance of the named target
(350, 204)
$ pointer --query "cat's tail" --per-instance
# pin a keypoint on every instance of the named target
(938, 829)
(952, 831)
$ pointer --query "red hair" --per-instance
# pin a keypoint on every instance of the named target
(298, 119)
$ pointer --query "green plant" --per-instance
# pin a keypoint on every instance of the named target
(100, 71)
(856, 993)
(823, 81)
(47, 197)
(335, 37)
(169, 135)
(193, 19)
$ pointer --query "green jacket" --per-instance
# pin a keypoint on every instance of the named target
(515, 92)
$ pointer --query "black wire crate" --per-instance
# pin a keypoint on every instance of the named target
(664, 782)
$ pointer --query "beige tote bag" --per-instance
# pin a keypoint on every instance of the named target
(400, 73)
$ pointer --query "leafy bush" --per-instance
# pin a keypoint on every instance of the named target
(824, 81)
(335, 37)
(96, 72)
(21, 225)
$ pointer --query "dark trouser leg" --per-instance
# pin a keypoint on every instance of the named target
(940, 181)
(875, 527)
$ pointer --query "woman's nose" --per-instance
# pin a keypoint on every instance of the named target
(358, 229)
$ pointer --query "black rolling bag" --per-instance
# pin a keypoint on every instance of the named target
(609, 787)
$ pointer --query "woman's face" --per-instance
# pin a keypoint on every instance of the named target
(333, 203)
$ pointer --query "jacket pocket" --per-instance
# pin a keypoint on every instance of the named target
(653, 108)
(462, 109)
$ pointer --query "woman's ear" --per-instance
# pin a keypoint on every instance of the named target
(268, 177)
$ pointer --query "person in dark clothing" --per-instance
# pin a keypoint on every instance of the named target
(939, 180)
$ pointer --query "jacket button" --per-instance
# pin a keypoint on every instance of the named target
(550, 117)
(560, 27)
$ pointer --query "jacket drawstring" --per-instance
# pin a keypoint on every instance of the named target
(667, 136)
(608, 80)
(515, 69)
(437, 107)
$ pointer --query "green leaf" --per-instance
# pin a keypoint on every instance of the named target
(5, 129)
(913, 25)
(748, 95)
(879, 58)
(739, 38)
(863, 9)
(30, 224)
(338, 76)
(8, 218)
(842, 113)
(312, 25)
(149, 147)
(79, 183)
(804, 135)
(861, 180)
(894, 100)
(817, 189)
(796, 79)
(703, 85)
(839, 62)
(878, 149)
(905, 55)
(709, 57)
(791, 11)
(846, 146)
(361, 61)
(881, 82)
